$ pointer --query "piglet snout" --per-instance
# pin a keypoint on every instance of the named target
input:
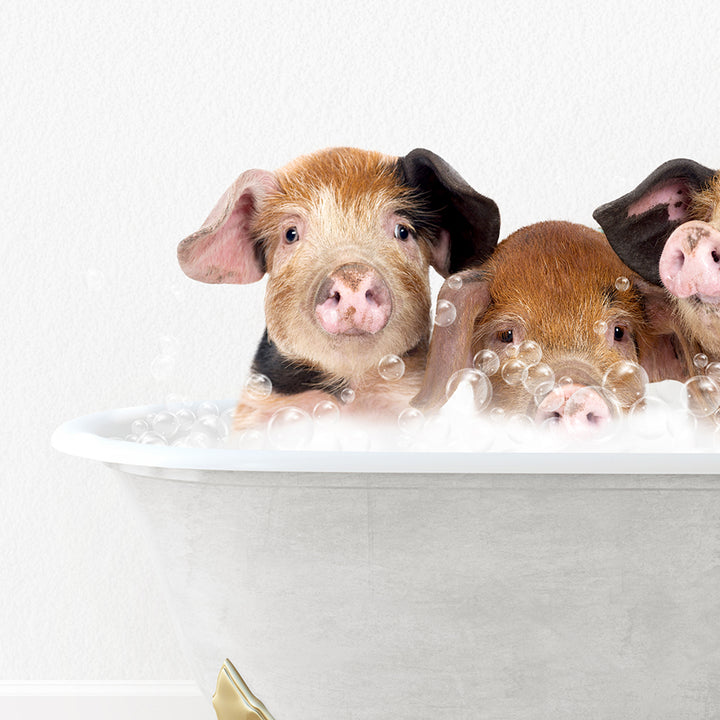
(690, 261)
(353, 300)
(578, 409)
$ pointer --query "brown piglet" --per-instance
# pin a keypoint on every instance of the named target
(346, 237)
(566, 323)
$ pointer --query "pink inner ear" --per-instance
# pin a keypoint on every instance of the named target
(222, 251)
(673, 193)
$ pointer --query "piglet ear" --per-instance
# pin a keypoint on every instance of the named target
(638, 224)
(223, 249)
(664, 350)
(469, 221)
(451, 345)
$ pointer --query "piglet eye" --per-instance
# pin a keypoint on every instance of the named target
(292, 235)
(506, 336)
(618, 333)
(402, 232)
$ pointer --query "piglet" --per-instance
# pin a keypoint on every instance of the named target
(561, 313)
(346, 237)
(668, 230)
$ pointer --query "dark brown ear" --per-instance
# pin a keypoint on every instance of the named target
(223, 250)
(471, 220)
(451, 345)
(664, 350)
(638, 224)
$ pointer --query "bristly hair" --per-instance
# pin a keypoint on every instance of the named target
(705, 204)
(356, 180)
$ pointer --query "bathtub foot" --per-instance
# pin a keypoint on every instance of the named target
(233, 700)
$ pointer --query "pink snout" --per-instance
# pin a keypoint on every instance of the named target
(353, 300)
(690, 262)
(579, 409)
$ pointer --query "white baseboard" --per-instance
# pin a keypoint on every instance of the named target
(109, 702)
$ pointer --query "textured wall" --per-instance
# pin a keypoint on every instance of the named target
(121, 126)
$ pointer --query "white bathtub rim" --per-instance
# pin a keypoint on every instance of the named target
(83, 437)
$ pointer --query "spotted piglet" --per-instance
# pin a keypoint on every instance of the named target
(346, 238)
(558, 324)
(668, 230)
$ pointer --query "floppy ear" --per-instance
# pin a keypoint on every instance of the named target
(469, 220)
(638, 224)
(223, 250)
(451, 345)
(664, 350)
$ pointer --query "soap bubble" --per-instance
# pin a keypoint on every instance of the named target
(538, 379)
(454, 282)
(162, 367)
(169, 345)
(622, 283)
(165, 423)
(512, 351)
(486, 361)
(347, 395)
(600, 327)
(185, 418)
(497, 414)
(703, 395)
(139, 427)
(207, 408)
(252, 439)
(94, 279)
(700, 361)
(213, 425)
(290, 428)
(445, 313)
(713, 370)
(391, 367)
(199, 438)
(520, 429)
(552, 400)
(410, 421)
(530, 352)
(565, 380)
(152, 438)
(326, 413)
(258, 386)
(174, 402)
(512, 371)
(473, 380)
(131, 437)
(627, 380)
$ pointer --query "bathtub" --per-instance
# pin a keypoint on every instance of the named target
(368, 585)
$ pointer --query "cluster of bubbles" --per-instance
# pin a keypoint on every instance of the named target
(467, 421)
(183, 424)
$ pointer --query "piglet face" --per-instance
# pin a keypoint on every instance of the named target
(568, 322)
(348, 269)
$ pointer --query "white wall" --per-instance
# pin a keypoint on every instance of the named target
(120, 126)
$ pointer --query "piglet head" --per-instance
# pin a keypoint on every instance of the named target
(347, 238)
(668, 230)
(559, 325)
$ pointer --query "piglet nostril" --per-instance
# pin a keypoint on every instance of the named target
(715, 256)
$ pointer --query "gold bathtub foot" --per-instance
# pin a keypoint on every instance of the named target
(233, 700)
